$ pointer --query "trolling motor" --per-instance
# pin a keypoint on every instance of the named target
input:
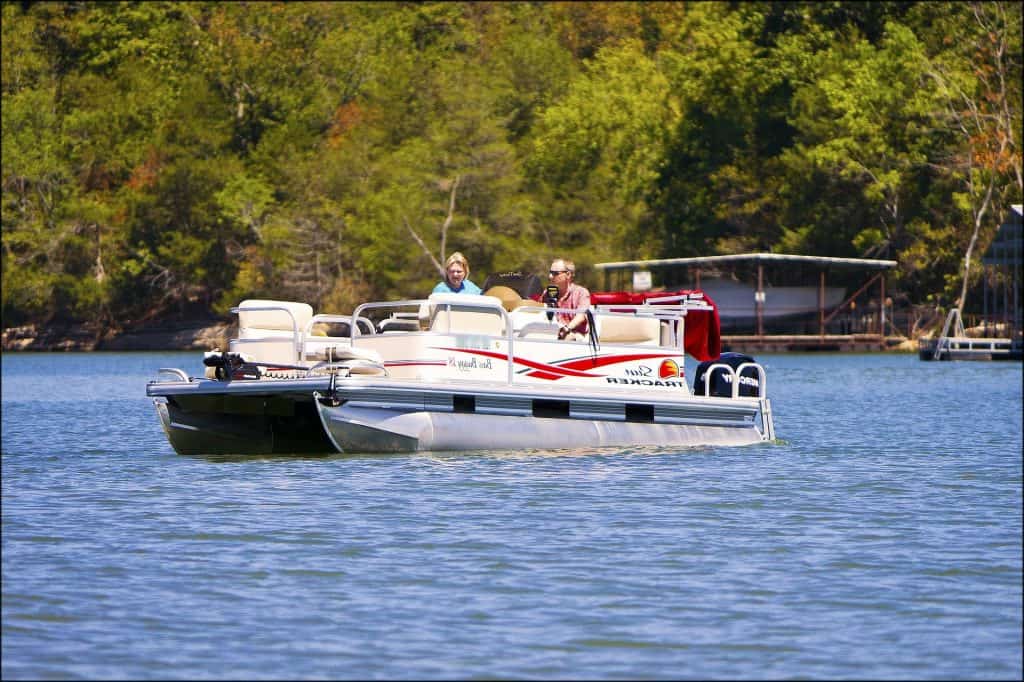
(551, 299)
(228, 366)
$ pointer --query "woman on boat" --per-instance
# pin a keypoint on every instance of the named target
(456, 274)
(570, 295)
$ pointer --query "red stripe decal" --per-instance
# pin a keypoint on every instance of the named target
(572, 367)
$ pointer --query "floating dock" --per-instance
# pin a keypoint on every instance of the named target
(969, 348)
(954, 344)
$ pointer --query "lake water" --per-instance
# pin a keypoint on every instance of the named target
(879, 538)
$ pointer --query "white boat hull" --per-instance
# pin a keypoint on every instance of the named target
(370, 430)
(360, 415)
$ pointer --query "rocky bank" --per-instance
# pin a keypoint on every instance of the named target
(185, 335)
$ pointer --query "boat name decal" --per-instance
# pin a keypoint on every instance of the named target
(551, 371)
(645, 382)
(466, 364)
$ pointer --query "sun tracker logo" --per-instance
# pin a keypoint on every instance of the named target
(668, 369)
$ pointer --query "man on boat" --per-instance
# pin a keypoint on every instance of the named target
(456, 280)
(572, 326)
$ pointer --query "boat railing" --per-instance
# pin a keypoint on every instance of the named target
(180, 373)
(320, 347)
(523, 320)
(669, 310)
(428, 318)
(283, 331)
(364, 325)
(660, 323)
(474, 319)
(263, 337)
(689, 301)
(735, 375)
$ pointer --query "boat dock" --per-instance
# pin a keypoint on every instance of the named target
(1001, 305)
(802, 312)
(969, 348)
(954, 344)
(828, 343)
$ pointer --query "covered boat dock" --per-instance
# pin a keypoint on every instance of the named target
(776, 302)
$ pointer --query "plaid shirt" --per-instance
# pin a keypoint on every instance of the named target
(577, 298)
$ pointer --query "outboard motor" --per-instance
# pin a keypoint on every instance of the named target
(721, 381)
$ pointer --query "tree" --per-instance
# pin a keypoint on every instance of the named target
(166, 159)
(861, 116)
(720, 188)
(600, 148)
(979, 81)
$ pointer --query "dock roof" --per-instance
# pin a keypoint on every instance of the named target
(821, 261)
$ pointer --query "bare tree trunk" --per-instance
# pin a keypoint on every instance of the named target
(449, 217)
(978, 211)
(101, 274)
(419, 240)
(444, 229)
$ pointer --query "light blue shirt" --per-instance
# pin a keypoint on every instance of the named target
(467, 288)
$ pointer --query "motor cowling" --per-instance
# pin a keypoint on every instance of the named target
(721, 380)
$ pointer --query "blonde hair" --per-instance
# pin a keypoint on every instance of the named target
(457, 257)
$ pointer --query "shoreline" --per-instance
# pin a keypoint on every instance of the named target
(185, 336)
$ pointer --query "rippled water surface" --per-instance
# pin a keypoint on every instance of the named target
(880, 538)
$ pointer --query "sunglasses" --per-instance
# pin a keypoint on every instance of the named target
(555, 273)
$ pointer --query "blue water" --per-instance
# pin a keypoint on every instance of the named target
(880, 538)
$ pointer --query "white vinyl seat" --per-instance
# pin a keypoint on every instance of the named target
(271, 331)
(532, 322)
(639, 331)
(466, 314)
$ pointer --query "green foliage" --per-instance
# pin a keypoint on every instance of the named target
(167, 158)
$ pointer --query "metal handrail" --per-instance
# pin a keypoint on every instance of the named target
(762, 377)
(341, 319)
(448, 304)
(353, 324)
(661, 312)
(296, 334)
(175, 371)
(762, 389)
(709, 372)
